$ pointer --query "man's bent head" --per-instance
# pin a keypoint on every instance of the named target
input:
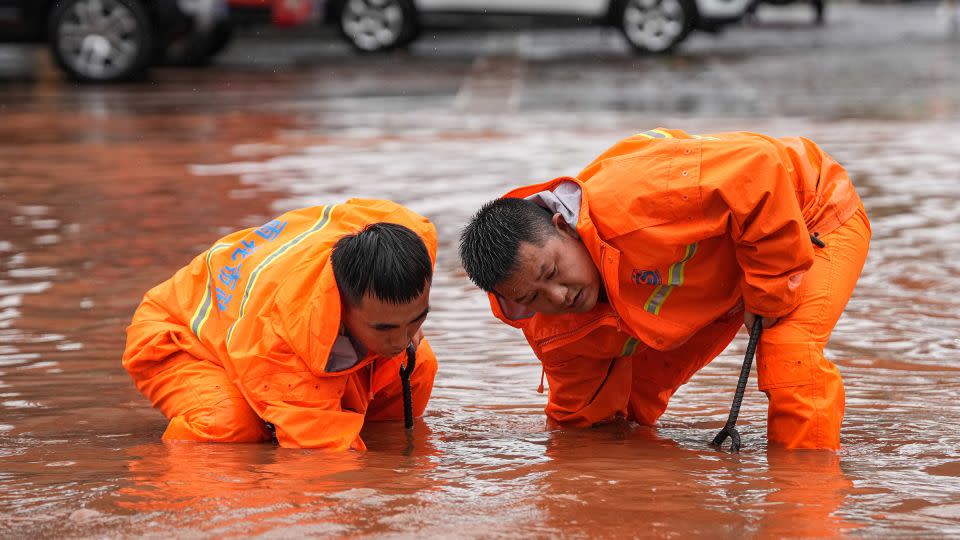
(523, 253)
(383, 273)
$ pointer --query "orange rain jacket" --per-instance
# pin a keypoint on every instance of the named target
(263, 304)
(685, 230)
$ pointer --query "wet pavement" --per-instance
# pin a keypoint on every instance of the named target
(105, 191)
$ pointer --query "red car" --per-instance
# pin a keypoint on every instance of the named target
(280, 12)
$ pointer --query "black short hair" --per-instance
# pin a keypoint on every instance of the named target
(490, 242)
(386, 260)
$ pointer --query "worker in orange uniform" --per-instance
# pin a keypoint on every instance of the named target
(298, 327)
(631, 277)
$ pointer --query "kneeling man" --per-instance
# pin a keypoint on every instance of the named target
(297, 329)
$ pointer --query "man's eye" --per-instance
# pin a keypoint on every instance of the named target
(552, 273)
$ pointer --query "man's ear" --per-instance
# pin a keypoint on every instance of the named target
(561, 225)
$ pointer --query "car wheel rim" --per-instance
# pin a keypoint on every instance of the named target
(654, 25)
(98, 38)
(372, 24)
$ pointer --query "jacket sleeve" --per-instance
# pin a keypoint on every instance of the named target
(773, 247)
(585, 390)
(304, 409)
(283, 389)
(315, 424)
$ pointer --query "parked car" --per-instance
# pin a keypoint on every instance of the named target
(212, 31)
(653, 26)
(109, 40)
(199, 48)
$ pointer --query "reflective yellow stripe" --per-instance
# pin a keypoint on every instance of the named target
(251, 283)
(656, 134)
(629, 347)
(674, 279)
(203, 310)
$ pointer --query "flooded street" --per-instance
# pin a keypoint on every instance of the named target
(106, 191)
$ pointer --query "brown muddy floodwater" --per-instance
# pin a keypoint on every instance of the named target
(105, 192)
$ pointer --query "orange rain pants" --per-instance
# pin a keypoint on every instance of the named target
(241, 336)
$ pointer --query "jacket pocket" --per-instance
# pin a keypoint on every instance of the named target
(783, 365)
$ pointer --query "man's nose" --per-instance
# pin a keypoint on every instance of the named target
(558, 295)
(400, 339)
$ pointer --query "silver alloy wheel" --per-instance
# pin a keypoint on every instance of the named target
(372, 24)
(98, 38)
(654, 25)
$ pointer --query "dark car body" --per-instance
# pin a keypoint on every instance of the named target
(151, 26)
(27, 20)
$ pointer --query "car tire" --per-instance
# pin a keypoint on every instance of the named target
(377, 25)
(198, 49)
(102, 40)
(655, 26)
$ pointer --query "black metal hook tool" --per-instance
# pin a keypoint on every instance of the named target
(730, 428)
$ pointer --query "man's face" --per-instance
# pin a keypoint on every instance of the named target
(557, 277)
(384, 328)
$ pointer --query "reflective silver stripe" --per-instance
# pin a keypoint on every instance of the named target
(655, 134)
(675, 275)
(321, 223)
(200, 316)
(656, 299)
(674, 279)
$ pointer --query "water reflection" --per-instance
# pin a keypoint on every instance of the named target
(808, 489)
(242, 490)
